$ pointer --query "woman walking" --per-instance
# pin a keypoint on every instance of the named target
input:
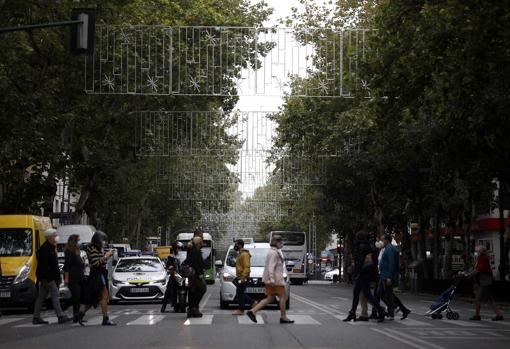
(274, 281)
(365, 272)
(74, 267)
(483, 283)
(97, 285)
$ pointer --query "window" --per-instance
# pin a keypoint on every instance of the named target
(15, 242)
(292, 239)
(258, 257)
(139, 265)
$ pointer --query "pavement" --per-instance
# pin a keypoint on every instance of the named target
(318, 309)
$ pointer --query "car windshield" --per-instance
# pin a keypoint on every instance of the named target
(258, 257)
(139, 265)
(15, 242)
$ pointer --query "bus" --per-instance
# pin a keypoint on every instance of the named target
(208, 254)
(294, 251)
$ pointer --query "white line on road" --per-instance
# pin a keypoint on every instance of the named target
(98, 320)
(147, 320)
(204, 320)
(403, 338)
(204, 302)
(304, 320)
(460, 323)
(413, 322)
(244, 320)
(10, 320)
(318, 306)
(52, 320)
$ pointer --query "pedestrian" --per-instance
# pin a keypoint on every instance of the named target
(274, 281)
(195, 274)
(173, 267)
(97, 284)
(483, 283)
(48, 279)
(74, 268)
(243, 263)
(389, 277)
(365, 272)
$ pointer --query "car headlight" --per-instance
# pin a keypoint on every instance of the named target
(23, 274)
(162, 281)
(117, 282)
(228, 277)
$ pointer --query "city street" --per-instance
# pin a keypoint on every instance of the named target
(317, 309)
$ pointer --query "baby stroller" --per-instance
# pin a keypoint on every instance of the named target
(443, 303)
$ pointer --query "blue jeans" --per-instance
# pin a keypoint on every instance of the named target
(242, 297)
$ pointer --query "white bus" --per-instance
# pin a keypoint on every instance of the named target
(294, 251)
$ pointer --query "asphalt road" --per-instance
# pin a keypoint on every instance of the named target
(316, 308)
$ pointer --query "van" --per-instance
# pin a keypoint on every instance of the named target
(21, 236)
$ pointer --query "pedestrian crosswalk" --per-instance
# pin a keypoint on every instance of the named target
(266, 317)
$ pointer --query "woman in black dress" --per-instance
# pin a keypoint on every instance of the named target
(74, 267)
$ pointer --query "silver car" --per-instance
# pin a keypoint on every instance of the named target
(255, 288)
(138, 278)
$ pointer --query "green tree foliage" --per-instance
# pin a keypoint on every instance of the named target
(51, 129)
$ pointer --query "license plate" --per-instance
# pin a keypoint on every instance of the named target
(5, 294)
(296, 270)
(255, 290)
(140, 290)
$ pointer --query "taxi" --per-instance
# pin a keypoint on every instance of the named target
(138, 278)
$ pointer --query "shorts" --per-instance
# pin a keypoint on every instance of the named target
(275, 291)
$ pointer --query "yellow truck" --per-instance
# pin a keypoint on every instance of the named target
(20, 238)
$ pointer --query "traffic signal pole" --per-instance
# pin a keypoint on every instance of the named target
(39, 26)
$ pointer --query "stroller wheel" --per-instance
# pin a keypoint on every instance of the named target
(455, 316)
(439, 316)
(449, 315)
(434, 316)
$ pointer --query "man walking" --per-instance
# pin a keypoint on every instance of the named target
(389, 275)
(242, 276)
(48, 279)
(197, 284)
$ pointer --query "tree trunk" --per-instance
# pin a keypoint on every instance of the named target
(80, 205)
(437, 224)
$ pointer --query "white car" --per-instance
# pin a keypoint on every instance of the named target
(330, 274)
(255, 287)
(138, 278)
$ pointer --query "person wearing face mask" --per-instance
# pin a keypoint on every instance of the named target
(483, 283)
(74, 268)
(242, 276)
(97, 285)
(389, 277)
(48, 279)
(274, 281)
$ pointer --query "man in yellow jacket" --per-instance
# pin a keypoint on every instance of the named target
(242, 276)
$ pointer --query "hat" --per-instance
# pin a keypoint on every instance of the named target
(50, 232)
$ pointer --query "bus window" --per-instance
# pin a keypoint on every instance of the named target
(293, 239)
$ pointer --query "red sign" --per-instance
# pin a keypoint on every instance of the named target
(487, 224)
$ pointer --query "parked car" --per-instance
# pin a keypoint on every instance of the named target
(330, 275)
(255, 287)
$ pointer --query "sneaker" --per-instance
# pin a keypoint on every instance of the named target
(405, 314)
(238, 312)
(63, 319)
(252, 316)
(286, 321)
(498, 318)
(475, 318)
(39, 321)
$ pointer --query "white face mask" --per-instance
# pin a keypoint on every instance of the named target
(475, 254)
(379, 244)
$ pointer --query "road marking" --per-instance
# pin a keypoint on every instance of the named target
(304, 320)
(97, 320)
(245, 320)
(460, 323)
(403, 338)
(52, 320)
(341, 298)
(413, 322)
(506, 323)
(10, 320)
(319, 306)
(204, 301)
(147, 320)
(204, 320)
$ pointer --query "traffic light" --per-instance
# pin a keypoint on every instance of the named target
(82, 35)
